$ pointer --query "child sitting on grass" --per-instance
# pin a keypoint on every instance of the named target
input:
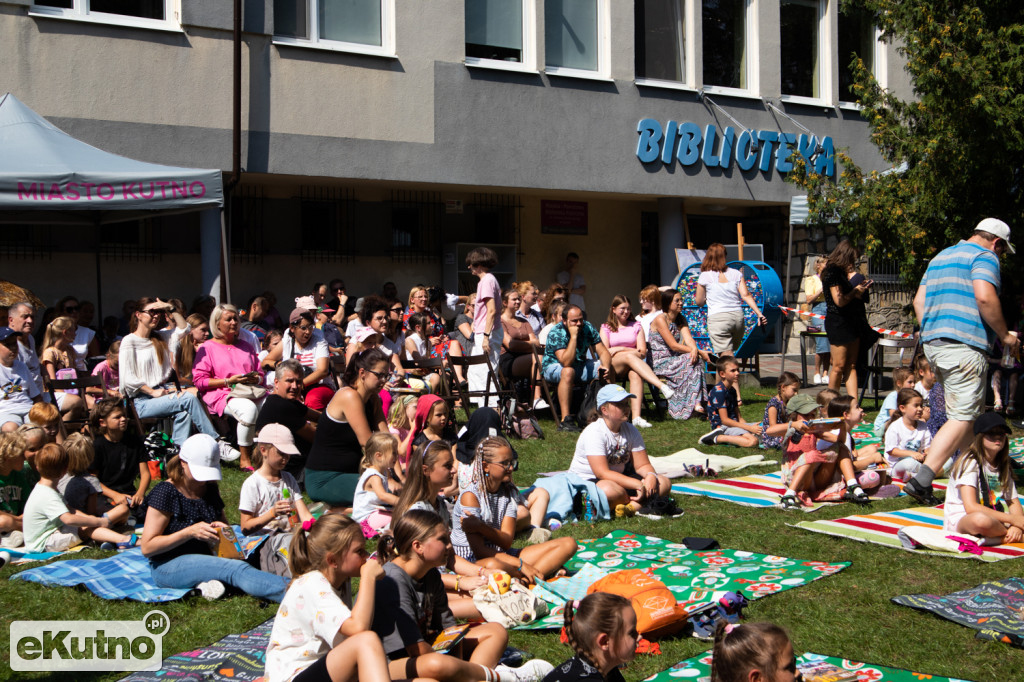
(119, 458)
(906, 438)
(601, 629)
(846, 408)
(16, 481)
(809, 472)
(728, 428)
(776, 421)
(752, 652)
(46, 417)
(80, 489)
(902, 377)
(932, 393)
(377, 487)
(49, 525)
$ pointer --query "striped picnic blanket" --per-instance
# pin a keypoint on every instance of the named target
(881, 529)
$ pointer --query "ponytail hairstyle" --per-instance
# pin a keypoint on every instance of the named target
(363, 360)
(55, 330)
(902, 398)
(839, 406)
(417, 487)
(788, 379)
(331, 533)
(416, 525)
(597, 613)
(741, 648)
(187, 348)
(163, 355)
(380, 441)
(612, 321)
(417, 320)
(1002, 463)
(485, 451)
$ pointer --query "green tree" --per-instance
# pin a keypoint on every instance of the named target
(957, 147)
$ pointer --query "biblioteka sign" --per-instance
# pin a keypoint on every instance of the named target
(689, 144)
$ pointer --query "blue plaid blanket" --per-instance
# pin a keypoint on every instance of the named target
(125, 575)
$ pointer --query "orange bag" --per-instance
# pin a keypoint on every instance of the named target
(657, 612)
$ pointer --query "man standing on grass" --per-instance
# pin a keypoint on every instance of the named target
(958, 307)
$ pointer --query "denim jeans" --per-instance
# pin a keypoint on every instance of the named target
(189, 570)
(183, 406)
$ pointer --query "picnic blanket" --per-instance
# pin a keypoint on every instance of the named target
(20, 556)
(699, 668)
(757, 490)
(676, 464)
(126, 575)
(236, 657)
(882, 529)
(994, 609)
(694, 577)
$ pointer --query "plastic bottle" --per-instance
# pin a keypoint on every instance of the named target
(588, 508)
(293, 516)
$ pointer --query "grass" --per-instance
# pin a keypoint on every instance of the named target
(848, 614)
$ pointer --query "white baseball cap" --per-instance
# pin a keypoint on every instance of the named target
(997, 228)
(202, 453)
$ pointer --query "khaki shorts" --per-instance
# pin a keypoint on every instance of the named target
(725, 331)
(961, 369)
(62, 539)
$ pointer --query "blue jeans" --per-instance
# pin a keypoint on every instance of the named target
(189, 570)
(183, 406)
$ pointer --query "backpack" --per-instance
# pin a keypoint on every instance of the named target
(657, 612)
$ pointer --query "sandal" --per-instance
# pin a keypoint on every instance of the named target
(790, 502)
(128, 544)
(856, 495)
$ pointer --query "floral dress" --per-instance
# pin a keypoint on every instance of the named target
(780, 416)
(676, 370)
(441, 349)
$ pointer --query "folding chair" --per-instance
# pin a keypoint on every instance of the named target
(538, 377)
(338, 368)
(492, 387)
(444, 389)
(80, 384)
(876, 363)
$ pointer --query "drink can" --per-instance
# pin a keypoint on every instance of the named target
(1008, 358)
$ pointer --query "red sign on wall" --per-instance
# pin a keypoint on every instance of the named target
(563, 217)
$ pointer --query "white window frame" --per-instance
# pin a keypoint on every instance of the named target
(603, 72)
(80, 11)
(825, 56)
(750, 30)
(690, 17)
(879, 67)
(529, 62)
(387, 29)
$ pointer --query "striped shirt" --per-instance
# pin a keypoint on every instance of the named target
(500, 505)
(950, 309)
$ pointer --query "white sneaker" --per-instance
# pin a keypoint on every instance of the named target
(667, 392)
(12, 539)
(228, 453)
(817, 379)
(531, 671)
(641, 423)
(711, 437)
(211, 589)
(541, 404)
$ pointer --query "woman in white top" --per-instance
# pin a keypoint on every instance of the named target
(725, 292)
(145, 367)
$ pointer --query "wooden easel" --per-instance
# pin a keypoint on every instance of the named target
(739, 239)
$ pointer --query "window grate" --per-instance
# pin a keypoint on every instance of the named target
(248, 208)
(328, 216)
(26, 242)
(129, 241)
(416, 219)
(498, 219)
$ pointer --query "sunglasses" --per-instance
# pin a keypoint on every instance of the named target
(383, 376)
(507, 466)
(153, 313)
(71, 308)
(397, 310)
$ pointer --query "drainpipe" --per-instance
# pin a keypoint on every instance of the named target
(236, 144)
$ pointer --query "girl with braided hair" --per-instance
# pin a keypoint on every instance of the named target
(484, 519)
(602, 632)
(752, 652)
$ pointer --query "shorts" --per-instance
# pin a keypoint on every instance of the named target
(62, 539)
(726, 331)
(6, 417)
(736, 431)
(553, 372)
(961, 369)
(315, 672)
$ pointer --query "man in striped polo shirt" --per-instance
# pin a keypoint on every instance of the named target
(958, 307)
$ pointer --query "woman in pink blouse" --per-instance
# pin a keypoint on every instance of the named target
(221, 364)
(624, 338)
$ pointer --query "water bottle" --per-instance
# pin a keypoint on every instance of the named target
(293, 516)
(588, 508)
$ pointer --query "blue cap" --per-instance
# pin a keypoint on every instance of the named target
(612, 393)
(6, 332)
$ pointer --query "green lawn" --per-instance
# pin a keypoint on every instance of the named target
(847, 615)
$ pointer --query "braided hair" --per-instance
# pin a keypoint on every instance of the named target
(597, 613)
(485, 450)
(739, 649)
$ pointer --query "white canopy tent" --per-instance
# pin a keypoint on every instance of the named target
(49, 177)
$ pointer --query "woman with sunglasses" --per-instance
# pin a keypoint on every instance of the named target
(85, 343)
(354, 413)
(145, 367)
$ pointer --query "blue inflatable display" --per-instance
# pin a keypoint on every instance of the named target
(764, 285)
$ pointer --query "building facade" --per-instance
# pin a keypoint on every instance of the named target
(383, 138)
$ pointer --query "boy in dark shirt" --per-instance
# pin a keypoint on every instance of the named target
(120, 457)
(724, 413)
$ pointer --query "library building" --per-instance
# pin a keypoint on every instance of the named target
(381, 140)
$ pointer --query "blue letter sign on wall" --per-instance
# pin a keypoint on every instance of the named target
(761, 148)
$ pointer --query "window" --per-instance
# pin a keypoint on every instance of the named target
(144, 13)
(575, 37)
(660, 39)
(364, 26)
(726, 33)
(800, 41)
(856, 39)
(499, 33)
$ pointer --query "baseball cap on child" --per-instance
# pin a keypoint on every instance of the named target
(280, 437)
(202, 454)
(612, 393)
(989, 421)
(802, 403)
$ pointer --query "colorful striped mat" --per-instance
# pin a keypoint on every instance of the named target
(758, 490)
(881, 529)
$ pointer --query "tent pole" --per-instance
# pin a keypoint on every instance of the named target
(99, 281)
